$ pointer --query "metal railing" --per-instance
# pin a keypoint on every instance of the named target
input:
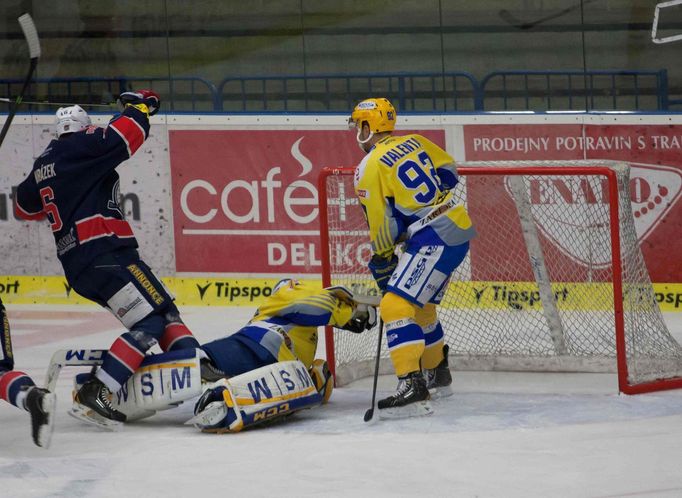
(457, 91)
(576, 90)
(442, 92)
(194, 93)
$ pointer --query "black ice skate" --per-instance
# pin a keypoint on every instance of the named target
(211, 373)
(411, 399)
(438, 379)
(94, 396)
(40, 404)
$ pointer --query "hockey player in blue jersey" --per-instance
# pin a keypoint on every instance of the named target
(18, 389)
(74, 184)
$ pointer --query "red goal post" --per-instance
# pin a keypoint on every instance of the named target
(555, 279)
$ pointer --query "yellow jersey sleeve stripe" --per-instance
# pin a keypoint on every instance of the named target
(318, 303)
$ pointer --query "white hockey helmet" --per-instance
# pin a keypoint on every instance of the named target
(71, 119)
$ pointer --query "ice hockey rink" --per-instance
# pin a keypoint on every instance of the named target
(500, 435)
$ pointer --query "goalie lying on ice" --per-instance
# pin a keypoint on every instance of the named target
(264, 371)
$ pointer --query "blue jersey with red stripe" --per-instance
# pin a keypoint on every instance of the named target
(75, 185)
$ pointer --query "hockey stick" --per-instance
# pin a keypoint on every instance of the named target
(519, 24)
(71, 357)
(31, 35)
(45, 102)
(370, 413)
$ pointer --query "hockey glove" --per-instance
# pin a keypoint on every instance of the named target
(147, 97)
(382, 269)
(364, 318)
(212, 413)
(209, 396)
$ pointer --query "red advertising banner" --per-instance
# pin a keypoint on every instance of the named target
(655, 156)
(246, 201)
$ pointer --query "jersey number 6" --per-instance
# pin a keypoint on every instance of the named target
(47, 196)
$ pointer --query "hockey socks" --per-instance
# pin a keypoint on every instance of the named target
(177, 336)
(13, 387)
(405, 345)
(123, 358)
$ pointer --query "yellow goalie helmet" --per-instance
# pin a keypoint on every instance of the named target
(378, 113)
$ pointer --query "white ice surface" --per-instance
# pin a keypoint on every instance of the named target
(500, 435)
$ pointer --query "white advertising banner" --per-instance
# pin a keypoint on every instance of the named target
(236, 195)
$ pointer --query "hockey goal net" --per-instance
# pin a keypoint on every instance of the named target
(554, 281)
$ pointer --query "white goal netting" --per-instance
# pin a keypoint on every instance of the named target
(539, 289)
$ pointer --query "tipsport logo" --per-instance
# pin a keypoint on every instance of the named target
(561, 204)
(226, 291)
(514, 298)
(9, 288)
(645, 296)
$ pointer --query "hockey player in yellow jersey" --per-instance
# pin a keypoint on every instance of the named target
(283, 330)
(419, 235)
(285, 327)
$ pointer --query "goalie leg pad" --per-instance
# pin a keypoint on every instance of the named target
(261, 395)
(161, 382)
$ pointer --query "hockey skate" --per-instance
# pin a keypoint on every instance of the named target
(209, 372)
(92, 404)
(41, 404)
(439, 379)
(410, 400)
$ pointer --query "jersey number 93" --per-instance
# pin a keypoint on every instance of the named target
(420, 177)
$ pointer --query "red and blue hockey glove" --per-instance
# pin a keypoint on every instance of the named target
(147, 97)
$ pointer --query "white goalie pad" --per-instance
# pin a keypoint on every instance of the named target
(161, 382)
(258, 396)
